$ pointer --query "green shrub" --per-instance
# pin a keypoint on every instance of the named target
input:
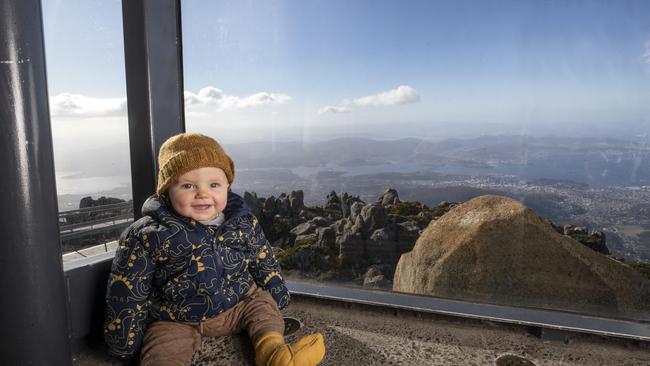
(406, 208)
(590, 241)
(440, 210)
(278, 228)
(309, 258)
(333, 214)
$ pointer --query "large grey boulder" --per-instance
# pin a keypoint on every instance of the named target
(351, 248)
(320, 221)
(374, 278)
(305, 228)
(310, 226)
(332, 201)
(296, 201)
(407, 234)
(346, 203)
(389, 198)
(327, 237)
(355, 210)
(372, 217)
(381, 247)
(494, 249)
(269, 204)
(253, 203)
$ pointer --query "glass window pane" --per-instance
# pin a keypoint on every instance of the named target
(86, 81)
(393, 118)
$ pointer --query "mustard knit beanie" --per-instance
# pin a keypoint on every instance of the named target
(188, 151)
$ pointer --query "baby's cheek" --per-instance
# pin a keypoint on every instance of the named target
(221, 205)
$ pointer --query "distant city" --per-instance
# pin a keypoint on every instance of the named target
(601, 183)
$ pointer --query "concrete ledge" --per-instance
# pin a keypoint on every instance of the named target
(360, 334)
(90, 252)
(548, 319)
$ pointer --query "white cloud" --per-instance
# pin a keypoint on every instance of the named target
(334, 109)
(646, 55)
(403, 94)
(77, 105)
(211, 96)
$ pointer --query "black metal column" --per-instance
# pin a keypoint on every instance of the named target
(154, 81)
(33, 317)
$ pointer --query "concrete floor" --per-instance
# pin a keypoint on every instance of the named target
(364, 335)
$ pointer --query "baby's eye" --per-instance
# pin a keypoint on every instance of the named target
(215, 185)
(187, 186)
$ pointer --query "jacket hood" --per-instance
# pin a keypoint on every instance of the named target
(158, 207)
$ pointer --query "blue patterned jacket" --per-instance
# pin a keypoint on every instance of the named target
(171, 267)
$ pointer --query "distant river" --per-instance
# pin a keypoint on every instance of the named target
(540, 170)
(409, 168)
(77, 183)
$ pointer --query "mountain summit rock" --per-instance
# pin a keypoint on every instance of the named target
(494, 249)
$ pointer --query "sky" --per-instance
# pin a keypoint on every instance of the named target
(392, 67)
(309, 70)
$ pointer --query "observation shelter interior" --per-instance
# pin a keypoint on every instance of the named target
(53, 302)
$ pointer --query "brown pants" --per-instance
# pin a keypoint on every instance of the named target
(174, 343)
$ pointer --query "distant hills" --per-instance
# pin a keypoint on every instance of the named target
(596, 162)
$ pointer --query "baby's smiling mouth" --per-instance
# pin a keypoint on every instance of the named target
(201, 207)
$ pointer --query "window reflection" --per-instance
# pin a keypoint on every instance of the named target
(493, 152)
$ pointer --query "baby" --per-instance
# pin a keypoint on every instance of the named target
(197, 264)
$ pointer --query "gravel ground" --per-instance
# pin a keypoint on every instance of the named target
(363, 335)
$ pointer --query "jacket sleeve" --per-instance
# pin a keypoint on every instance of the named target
(129, 285)
(265, 268)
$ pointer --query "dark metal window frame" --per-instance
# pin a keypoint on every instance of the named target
(154, 86)
(33, 317)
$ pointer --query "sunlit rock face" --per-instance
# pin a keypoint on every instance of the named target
(494, 249)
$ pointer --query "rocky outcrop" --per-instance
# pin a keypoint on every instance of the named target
(494, 249)
(332, 202)
(311, 231)
(358, 235)
(285, 205)
(327, 237)
(355, 210)
(373, 235)
(389, 198)
(85, 213)
(375, 277)
(280, 215)
(595, 240)
(339, 207)
(101, 201)
(254, 203)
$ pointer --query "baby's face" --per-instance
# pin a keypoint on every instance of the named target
(200, 194)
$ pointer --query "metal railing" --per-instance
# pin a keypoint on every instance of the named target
(80, 223)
